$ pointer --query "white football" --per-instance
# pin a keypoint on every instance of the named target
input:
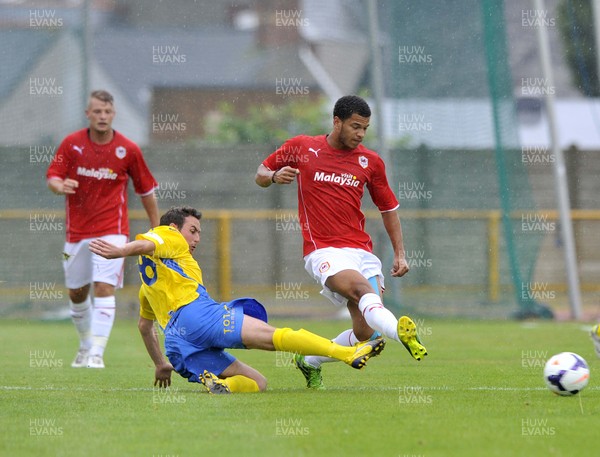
(566, 373)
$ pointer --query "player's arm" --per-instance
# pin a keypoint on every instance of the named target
(62, 186)
(265, 177)
(151, 207)
(162, 373)
(110, 251)
(392, 225)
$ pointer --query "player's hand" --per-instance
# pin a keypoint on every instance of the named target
(105, 249)
(285, 175)
(400, 267)
(162, 375)
(69, 185)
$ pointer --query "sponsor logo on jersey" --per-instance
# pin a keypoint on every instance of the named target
(121, 152)
(344, 179)
(79, 149)
(314, 151)
(100, 173)
(363, 161)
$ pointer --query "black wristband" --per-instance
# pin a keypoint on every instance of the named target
(273, 176)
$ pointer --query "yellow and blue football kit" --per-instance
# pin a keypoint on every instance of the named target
(197, 328)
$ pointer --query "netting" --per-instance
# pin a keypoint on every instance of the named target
(477, 240)
(462, 97)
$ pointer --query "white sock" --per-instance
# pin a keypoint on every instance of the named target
(81, 315)
(103, 317)
(346, 338)
(377, 316)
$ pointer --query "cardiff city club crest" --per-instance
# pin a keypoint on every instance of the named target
(363, 161)
(121, 152)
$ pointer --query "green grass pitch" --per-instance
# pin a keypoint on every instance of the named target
(479, 392)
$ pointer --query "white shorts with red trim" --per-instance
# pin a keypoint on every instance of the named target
(83, 267)
(326, 262)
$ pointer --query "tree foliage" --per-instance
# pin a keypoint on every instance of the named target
(268, 123)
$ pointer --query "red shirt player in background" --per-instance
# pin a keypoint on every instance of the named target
(91, 168)
(332, 172)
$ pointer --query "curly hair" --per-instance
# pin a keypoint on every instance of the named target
(346, 106)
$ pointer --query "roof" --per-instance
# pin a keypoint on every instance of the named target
(138, 60)
(17, 43)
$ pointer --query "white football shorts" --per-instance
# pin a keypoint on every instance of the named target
(326, 262)
(83, 267)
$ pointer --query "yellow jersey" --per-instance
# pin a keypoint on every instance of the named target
(170, 277)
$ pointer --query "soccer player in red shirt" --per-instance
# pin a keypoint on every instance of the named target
(332, 172)
(91, 168)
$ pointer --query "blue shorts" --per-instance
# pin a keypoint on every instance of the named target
(197, 334)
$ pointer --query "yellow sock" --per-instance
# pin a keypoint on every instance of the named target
(307, 343)
(239, 383)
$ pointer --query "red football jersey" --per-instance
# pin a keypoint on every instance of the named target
(99, 205)
(330, 189)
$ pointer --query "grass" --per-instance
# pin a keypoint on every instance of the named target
(480, 392)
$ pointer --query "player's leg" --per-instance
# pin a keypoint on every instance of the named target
(357, 289)
(78, 277)
(347, 337)
(107, 275)
(103, 318)
(190, 347)
(257, 334)
(240, 377)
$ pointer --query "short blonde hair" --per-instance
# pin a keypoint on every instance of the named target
(103, 96)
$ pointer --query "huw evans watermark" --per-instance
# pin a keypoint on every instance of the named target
(413, 55)
(169, 191)
(290, 291)
(288, 223)
(537, 18)
(167, 123)
(534, 358)
(284, 359)
(45, 223)
(45, 87)
(168, 54)
(412, 122)
(43, 358)
(417, 259)
(537, 291)
(537, 155)
(536, 87)
(167, 395)
(41, 290)
(413, 395)
(43, 154)
(290, 86)
(535, 222)
(44, 18)
(537, 427)
(416, 191)
(290, 427)
(290, 18)
(45, 427)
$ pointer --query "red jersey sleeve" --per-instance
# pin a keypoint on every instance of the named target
(287, 155)
(143, 181)
(59, 166)
(381, 193)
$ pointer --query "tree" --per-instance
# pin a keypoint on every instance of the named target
(268, 123)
